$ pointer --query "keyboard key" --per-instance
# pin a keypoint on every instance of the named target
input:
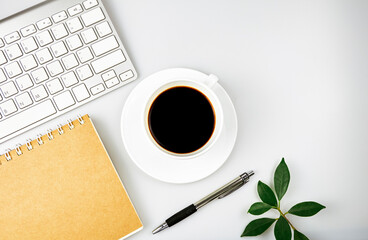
(44, 56)
(29, 45)
(13, 52)
(23, 100)
(75, 10)
(59, 49)
(13, 69)
(44, 38)
(24, 82)
(69, 79)
(8, 107)
(39, 93)
(1, 43)
(105, 45)
(2, 76)
(89, 36)
(74, 42)
(26, 118)
(97, 89)
(59, 31)
(54, 68)
(103, 29)
(108, 61)
(60, 16)
(90, 3)
(84, 55)
(64, 100)
(44, 23)
(84, 72)
(126, 75)
(54, 86)
(2, 58)
(110, 74)
(12, 37)
(74, 25)
(70, 61)
(39, 75)
(26, 31)
(8, 89)
(81, 93)
(112, 82)
(92, 17)
(28, 63)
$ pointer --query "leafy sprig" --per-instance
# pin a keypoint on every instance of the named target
(283, 226)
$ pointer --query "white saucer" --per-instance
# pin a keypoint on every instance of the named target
(159, 164)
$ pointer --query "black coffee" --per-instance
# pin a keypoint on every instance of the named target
(181, 120)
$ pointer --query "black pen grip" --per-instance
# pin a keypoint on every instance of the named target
(177, 217)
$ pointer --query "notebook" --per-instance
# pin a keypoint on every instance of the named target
(63, 185)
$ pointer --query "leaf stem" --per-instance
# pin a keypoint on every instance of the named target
(283, 214)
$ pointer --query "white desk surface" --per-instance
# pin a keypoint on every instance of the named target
(297, 74)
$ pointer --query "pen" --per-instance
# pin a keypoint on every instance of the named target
(218, 194)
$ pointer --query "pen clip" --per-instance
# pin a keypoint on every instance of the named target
(233, 189)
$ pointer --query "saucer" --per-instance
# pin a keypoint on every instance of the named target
(155, 162)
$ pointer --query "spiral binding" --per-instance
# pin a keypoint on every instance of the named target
(18, 150)
(60, 129)
(49, 134)
(39, 139)
(70, 124)
(80, 119)
(7, 155)
(29, 144)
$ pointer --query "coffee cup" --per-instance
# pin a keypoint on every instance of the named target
(183, 117)
(179, 125)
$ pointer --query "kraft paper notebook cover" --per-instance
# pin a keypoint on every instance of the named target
(63, 185)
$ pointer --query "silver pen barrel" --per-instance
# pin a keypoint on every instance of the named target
(225, 190)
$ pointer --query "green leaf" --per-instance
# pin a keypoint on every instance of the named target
(259, 208)
(299, 236)
(306, 209)
(281, 179)
(266, 194)
(257, 227)
(282, 229)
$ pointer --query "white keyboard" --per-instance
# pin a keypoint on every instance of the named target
(54, 58)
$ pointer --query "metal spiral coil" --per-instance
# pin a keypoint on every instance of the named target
(60, 129)
(29, 144)
(70, 124)
(7, 155)
(39, 139)
(80, 119)
(18, 150)
(49, 134)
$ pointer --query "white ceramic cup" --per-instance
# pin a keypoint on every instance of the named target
(159, 163)
(201, 84)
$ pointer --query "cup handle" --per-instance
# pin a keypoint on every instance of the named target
(211, 80)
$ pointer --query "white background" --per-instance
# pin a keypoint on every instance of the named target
(297, 72)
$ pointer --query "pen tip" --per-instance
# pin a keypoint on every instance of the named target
(250, 173)
(160, 228)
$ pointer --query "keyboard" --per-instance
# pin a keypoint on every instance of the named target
(54, 58)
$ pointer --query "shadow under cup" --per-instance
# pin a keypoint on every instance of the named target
(181, 120)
